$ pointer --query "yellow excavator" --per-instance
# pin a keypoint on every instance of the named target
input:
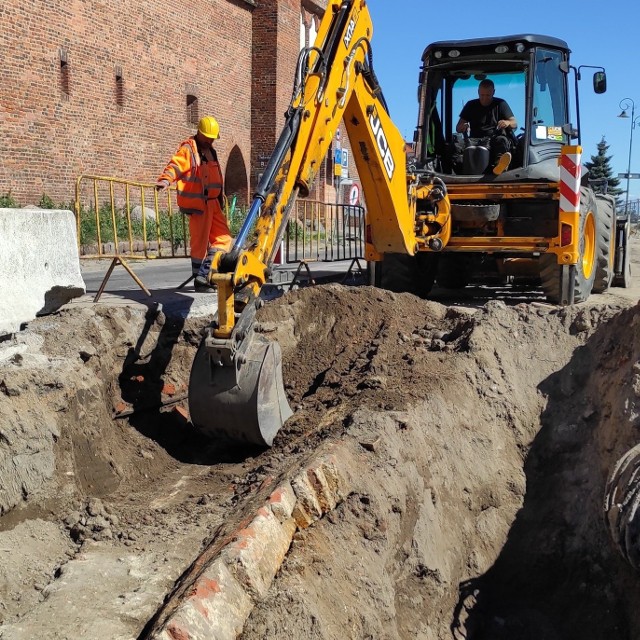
(438, 215)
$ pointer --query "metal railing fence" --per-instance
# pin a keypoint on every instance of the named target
(124, 220)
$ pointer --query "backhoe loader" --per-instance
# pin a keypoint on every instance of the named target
(427, 219)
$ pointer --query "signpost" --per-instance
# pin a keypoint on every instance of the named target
(632, 176)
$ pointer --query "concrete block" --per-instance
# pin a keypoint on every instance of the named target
(39, 264)
(216, 609)
(149, 213)
(324, 494)
(258, 551)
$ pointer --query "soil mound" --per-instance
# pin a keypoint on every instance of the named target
(485, 438)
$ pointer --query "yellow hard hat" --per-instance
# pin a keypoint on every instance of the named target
(209, 127)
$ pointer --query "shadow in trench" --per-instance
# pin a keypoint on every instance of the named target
(142, 382)
(558, 576)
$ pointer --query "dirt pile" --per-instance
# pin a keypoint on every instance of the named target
(478, 508)
(485, 437)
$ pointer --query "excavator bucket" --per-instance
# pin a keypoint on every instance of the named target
(244, 401)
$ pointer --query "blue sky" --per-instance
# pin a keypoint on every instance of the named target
(597, 33)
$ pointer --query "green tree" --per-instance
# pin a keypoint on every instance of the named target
(601, 174)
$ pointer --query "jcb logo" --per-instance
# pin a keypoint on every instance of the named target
(383, 145)
(350, 31)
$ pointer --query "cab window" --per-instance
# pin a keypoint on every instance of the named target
(549, 113)
(509, 87)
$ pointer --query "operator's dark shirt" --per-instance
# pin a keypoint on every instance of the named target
(484, 120)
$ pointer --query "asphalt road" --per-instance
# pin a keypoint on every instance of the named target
(168, 281)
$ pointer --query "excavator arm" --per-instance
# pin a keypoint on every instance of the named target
(236, 387)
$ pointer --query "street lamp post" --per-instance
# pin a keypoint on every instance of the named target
(625, 104)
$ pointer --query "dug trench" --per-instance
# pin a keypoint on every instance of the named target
(481, 441)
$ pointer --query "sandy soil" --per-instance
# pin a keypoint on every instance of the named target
(487, 429)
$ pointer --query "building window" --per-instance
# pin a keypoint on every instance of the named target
(64, 73)
(119, 87)
(192, 109)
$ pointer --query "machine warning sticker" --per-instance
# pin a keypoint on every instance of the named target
(555, 133)
(549, 133)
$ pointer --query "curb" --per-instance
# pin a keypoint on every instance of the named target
(238, 576)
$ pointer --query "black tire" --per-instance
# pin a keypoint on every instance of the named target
(623, 277)
(411, 274)
(551, 278)
(606, 239)
(453, 272)
(584, 272)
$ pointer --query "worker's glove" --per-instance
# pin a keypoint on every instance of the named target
(161, 185)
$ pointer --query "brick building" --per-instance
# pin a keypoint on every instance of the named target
(111, 88)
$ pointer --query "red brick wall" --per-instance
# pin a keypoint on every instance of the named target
(276, 45)
(237, 56)
(165, 50)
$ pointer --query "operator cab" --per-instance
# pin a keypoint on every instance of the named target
(530, 72)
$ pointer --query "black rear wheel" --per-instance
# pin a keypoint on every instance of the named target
(583, 274)
(411, 274)
(606, 238)
(453, 271)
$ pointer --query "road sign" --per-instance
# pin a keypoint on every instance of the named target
(630, 176)
(354, 195)
(344, 163)
(337, 162)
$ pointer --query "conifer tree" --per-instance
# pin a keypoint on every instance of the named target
(601, 174)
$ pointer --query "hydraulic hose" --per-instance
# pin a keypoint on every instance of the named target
(285, 142)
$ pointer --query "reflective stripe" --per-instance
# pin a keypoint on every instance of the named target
(176, 169)
(194, 196)
(570, 178)
(193, 160)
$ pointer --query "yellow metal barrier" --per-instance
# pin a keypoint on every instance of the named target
(317, 232)
(103, 207)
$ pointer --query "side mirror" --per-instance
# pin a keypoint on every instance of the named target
(570, 131)
(599, 81)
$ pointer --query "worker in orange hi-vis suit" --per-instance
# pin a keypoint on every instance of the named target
(196, 169)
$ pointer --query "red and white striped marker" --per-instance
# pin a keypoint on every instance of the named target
(570, 176)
